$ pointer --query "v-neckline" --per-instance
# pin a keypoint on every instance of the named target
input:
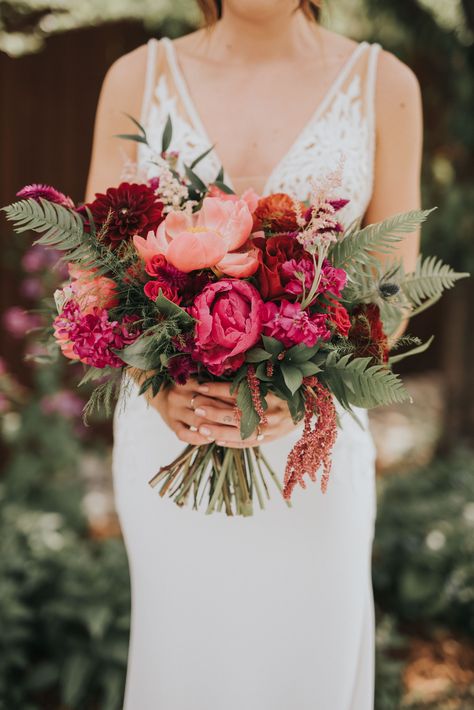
(193, 113)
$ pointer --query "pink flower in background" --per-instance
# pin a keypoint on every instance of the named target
(92, 291)
(229, 322)
(289, 324)
(64, 402)
(39, 258)
(47, 192)
(32, 288)
(19, 322)
(91, 337)
(202, 240)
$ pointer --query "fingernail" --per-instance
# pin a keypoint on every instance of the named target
(220, 443)
(200, 412)
(205, 431)
(203, 388)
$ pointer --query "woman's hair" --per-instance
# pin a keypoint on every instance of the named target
(212, 9)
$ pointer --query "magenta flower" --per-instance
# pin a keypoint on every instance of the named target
(92, 337)
(297, 273)
(47, 192)
(65, 403)
(332, 279)
(289, 324)
(19, 322)
(181, 367)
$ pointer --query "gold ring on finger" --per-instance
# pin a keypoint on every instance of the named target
(191, 404)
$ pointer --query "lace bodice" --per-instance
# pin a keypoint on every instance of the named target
(341, 131)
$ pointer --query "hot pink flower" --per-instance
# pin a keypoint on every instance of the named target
(202, 240)
(228, 315)
(289, 324)
(47, 193)
(295, 273)
(92, 337)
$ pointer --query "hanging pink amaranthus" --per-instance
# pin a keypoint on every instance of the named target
(315, 446)
(254, 386)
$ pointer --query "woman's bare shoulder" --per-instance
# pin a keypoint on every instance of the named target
(397, 84)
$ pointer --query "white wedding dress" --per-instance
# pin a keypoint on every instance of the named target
(274, 611)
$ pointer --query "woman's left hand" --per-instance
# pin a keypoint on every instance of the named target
(216, 419)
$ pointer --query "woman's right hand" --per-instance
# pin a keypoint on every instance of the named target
(180, 407)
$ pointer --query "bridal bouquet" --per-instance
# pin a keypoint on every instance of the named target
(171, 278)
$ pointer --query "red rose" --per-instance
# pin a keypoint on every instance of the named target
(274, 251)
(276, 213)
(152, 290)
(367, 333)
(338, 315)
(135, 210)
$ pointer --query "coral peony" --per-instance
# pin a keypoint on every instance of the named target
(289, 324)
(276, 213)
(202, 240)
(134, 209)
(228, 315)
(90, 290)
(249, 196)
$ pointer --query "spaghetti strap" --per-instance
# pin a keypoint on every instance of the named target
(371, 80)
(152, 45)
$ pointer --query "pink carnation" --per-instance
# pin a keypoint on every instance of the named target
(295, 273)
(91, 337)
(289, 324)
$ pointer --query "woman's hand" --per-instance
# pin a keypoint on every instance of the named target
(200, 414)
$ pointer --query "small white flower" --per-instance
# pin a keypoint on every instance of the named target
(435, 540)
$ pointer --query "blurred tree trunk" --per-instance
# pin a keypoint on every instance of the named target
(457, 331)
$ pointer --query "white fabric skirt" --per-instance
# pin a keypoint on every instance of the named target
(269, 612)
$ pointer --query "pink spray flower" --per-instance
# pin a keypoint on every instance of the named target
(202, 240)
(91, 337)
(229, 322)
(289, 324)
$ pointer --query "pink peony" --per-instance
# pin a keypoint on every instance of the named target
(292, 326)
(228, 315)
(249, 196)
(202, 240)
(91, 337)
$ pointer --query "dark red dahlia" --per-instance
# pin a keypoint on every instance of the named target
(367, 333)
(135, 210)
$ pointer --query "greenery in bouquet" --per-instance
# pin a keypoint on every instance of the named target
(172, 278)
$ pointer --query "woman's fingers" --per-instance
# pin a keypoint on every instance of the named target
(189, 436)
(219, 390)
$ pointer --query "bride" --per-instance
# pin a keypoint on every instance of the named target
(275, 611)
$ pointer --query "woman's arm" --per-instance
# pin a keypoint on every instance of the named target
(399, 137)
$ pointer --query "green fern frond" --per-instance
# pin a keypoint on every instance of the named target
(430, 278)
(355, 248)
(360, 383)
(61, 227)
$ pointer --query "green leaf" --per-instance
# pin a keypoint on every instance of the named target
(358, 382)
(308, 368)
(167, 308)
(167, 135)
(257, 355)
(414, 351)
(249, 419)
(137, 123)
(220, 176)
(292, 375)
(300, 353)
(75, 675)
(61, 227)
(131, 137)
(272, 345)
(195, 180)
(225, 188)
(142, 353)
(296, 406)
(197, 160)
(430, 278)
(356, 247)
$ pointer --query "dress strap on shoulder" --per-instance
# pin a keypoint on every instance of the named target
(150, 71)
